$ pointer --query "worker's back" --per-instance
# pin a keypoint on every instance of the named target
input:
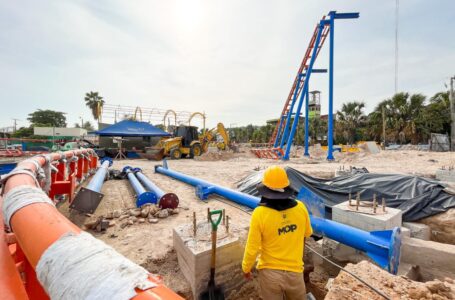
(282, 235)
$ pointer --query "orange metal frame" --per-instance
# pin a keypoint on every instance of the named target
(37, 226)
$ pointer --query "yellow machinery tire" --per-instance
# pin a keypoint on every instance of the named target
(196, 150)
(175, 153)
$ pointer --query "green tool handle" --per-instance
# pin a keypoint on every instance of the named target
(217, 222)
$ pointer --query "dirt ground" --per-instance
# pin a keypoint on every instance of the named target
(150, 245)
(346, 287)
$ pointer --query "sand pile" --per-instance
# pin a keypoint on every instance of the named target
(396, 287)
(214, 156)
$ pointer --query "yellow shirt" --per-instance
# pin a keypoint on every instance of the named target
(279, 237)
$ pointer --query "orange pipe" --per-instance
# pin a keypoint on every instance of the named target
(11, 287)
(39, 225)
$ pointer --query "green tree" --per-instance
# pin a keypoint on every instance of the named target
(87, 125)
(350, 118)
(95, 102)
(23, 132)
(437, 113)
(404, 119)
(47, 117)
(318, 129)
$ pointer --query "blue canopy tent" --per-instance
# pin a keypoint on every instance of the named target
(129, 128)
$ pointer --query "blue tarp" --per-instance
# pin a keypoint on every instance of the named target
(127, 128)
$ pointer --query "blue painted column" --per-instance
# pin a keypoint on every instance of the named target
(330, 119)
(289, 116)
(278, 134)
(307, 121)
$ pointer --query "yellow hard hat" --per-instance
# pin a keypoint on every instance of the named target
(275, 177)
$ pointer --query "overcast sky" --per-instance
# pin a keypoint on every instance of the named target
(235, 60)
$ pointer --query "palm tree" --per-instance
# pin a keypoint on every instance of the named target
(350, 118)
(95, 102)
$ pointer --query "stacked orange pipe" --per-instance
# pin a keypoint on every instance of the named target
(37, 226)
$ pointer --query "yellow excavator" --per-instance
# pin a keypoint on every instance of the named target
(219, 136)
(187, 143)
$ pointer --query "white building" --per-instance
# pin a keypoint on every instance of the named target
(59, 131)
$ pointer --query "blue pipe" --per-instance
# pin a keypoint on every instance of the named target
(289, 116)
(304, 91)
(165, 200)
(307, 121)
(97, 180)
(382, 246)
(142, 196)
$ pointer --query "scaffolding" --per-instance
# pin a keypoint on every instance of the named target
(114, 113)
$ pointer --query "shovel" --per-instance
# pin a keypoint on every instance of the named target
(213, 292)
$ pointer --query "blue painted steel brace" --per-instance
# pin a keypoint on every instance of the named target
(277, 139)
(289, 115)
(142, 196)
(382, 246)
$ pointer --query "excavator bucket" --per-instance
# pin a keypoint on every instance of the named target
(154, 153)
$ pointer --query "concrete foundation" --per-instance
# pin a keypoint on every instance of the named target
(365, 219)
(435, 260)
(343, 213)
(446, 175)
(194, 254)
(418, 230)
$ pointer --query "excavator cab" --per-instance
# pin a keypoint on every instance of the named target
(187, 133)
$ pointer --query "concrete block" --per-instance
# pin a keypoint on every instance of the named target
(194, 254)
(445, 175)
(435, 260)
(341, 252)
(405, 232)
(418, 230)
(346, 214)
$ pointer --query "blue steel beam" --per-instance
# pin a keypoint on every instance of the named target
(382, 246)
(142, 196)
(165, 200)
(277, 138)
(88, 198)
(289, 115)
(302, 96)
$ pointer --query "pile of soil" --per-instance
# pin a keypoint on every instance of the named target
(442, 226)
(347, 287)
(214, 156)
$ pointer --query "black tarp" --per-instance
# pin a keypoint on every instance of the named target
(416, 196)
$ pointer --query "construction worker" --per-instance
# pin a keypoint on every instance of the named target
(278, 227)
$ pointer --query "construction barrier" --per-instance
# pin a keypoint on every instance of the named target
(269, 153)
(46, 256)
